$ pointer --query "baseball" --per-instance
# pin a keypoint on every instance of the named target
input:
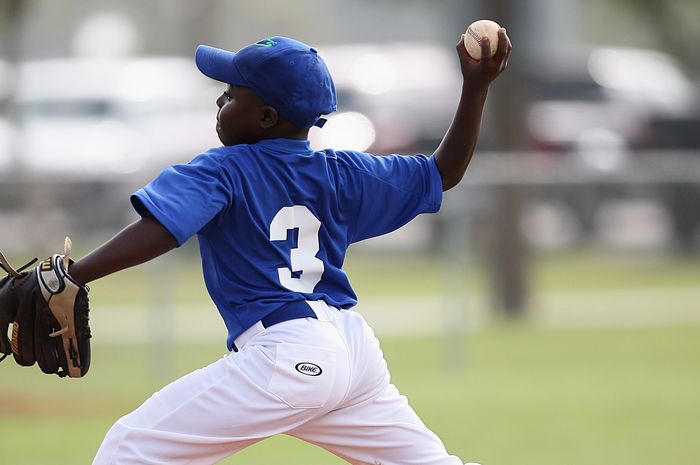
(476, 31)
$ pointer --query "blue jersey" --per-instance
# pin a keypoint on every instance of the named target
(274, 219)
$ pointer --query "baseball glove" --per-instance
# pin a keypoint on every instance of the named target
(48, 311)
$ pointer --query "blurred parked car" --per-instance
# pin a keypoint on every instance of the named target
(392, 97)
(85, 132)
(598, 108)
(640, 96)
(107, 117)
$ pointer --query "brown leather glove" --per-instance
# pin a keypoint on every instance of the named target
(48, 311)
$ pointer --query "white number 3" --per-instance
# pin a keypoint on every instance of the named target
(303, 257)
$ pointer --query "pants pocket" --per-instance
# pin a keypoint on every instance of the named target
(303, 376)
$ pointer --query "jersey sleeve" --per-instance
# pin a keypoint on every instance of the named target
(383, 193)
(185, 197)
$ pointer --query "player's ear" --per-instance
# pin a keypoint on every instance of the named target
(268, 117)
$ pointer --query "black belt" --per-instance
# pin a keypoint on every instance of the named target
(290, 311)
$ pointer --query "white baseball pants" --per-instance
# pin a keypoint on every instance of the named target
(322, 380)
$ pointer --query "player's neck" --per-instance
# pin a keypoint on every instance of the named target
(281, 132)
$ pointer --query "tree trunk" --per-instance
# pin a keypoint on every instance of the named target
(507, 250)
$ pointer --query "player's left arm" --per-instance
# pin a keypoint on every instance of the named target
(457, 147)
(138, 243)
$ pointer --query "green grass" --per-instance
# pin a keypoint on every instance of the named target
(504, 394)
(378, 274)
(411, 275)
(520, 395)
(598, 270)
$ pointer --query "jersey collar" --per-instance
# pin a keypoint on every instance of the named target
(287, 145)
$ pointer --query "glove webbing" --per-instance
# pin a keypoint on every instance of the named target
(5, 265)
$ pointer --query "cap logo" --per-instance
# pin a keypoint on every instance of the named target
(266, 43)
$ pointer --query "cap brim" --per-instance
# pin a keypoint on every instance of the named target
(218, 64)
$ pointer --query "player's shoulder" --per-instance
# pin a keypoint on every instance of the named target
(368, 162)
(223, 152)
(350, 158)
(224, 156)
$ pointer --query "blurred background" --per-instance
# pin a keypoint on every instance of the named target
(549, 314)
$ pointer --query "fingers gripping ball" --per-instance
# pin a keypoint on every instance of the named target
(48, 311)
(476, 32)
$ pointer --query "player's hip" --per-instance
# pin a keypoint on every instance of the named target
(336, 343)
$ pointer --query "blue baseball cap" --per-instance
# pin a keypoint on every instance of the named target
(283, 72)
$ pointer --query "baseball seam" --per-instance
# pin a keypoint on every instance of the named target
(474, 34)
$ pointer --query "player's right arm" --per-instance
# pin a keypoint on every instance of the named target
(457, 147)
(138, 243)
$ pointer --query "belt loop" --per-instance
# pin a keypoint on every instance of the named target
(247, 335)
(321, 309)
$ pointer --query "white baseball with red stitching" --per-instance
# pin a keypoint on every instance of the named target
(478, 30)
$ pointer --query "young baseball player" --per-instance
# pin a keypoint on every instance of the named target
(274, 219)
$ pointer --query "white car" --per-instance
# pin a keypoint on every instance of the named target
(105, 117)
(608, 95)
